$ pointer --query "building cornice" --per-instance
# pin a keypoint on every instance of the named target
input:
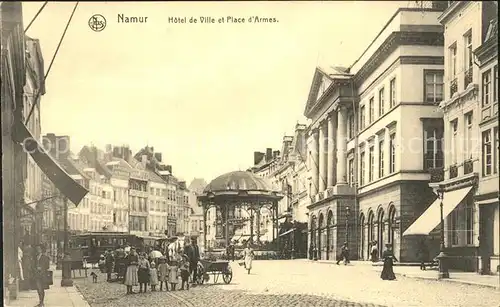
(487, 51)
(451, 10)
(393, 41)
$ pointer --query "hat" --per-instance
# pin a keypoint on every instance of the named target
(388, 245)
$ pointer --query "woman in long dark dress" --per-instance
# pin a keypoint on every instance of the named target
(131, 278)
(387, 271)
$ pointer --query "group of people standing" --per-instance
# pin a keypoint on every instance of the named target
(143, 271)
(387, 257)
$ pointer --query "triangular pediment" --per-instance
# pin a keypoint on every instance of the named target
(320, 83)
(322, 79)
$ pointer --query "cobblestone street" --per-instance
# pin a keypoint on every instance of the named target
(299, 283)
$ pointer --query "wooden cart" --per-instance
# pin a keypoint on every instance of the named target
(216, 269)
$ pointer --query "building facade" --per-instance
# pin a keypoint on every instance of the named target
(365, 119)
(487, 195)
(34, 89)
(157, 205)
(469, 138)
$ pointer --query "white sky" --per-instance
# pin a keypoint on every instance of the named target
(205, 95)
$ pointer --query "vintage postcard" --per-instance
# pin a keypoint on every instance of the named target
(250, 153)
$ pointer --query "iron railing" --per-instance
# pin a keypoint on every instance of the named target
(453, 171)
(453, 87)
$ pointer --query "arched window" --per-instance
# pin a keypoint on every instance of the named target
(381, 230)
(392, 223)
(329, 236)
(362, 239)
(321, 232)
(371, 226)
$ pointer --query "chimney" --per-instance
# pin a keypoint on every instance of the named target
(169, 168)
(257, 157)
(126, 153)
(158, 156)
(269, 154)
(276, 154)
(58, 146)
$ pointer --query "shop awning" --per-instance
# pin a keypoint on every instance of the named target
(432, 216)
(61, 179)
(287, 232)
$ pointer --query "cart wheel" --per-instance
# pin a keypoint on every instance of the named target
(227, 276)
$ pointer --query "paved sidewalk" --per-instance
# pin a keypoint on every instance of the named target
(470, 278)
(56, 296)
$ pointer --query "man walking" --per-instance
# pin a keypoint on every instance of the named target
(193, 253)
(344, 254)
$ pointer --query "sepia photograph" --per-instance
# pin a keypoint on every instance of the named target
(250, 153)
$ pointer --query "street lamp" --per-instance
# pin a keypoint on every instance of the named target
(66, 280)
(443, 270)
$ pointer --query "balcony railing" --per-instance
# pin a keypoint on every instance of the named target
(468, 77)
(453, 87)
(437, 174)
(453, 171)
(468, 167)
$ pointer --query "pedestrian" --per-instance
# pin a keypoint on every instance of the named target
(109, 263)
(173, 274)
(185, 272)
(248, 255)
(423, 254)
(374, 252)
(163, 273)
(344, 254)
(143, 272)
(389, 259)
(40, 273)
(131, 278)
(27, 260)
(193, 253)
(153, 276)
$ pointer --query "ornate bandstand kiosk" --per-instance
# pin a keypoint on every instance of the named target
(239, 189)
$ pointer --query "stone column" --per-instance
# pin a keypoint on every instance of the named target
(341, 145)
(331, 150)
(313, 156)
(322, 154)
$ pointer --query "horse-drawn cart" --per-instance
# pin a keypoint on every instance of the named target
(216, 268)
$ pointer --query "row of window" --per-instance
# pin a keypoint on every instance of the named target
(382, 107)
(453, 66)
(137, 223)
(382, 148)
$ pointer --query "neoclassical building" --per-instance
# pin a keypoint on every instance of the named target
(374, 140)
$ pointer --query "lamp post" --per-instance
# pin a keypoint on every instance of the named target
(443, 270)
(66, 280)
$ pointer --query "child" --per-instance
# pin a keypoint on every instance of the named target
(185, 272)
(143, 273)
(173, 271)
(153, 276)
(163, 274)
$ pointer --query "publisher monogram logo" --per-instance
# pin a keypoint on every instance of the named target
(97, 22)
